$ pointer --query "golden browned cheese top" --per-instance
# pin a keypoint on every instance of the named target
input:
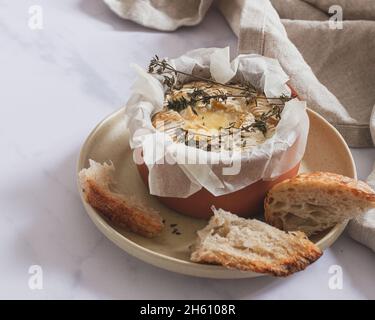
(209, 118)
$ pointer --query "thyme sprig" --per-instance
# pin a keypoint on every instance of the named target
(162, 68)
(169, 73)
(261, 122)
(178, 104)
(197, 95)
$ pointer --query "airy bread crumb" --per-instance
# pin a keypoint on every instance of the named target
(313, 202)
(252, 245)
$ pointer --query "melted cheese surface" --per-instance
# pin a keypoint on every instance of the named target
(214, 117)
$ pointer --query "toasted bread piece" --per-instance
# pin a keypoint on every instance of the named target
(252, 245)
(125, 211)
(313, 202)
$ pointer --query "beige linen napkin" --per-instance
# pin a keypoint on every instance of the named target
(165, 15)
(342, 59)
(353, 9)
(332, 68)
(362, 228)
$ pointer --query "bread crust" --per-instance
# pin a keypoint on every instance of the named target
(330, 184)
(114, 206)
(329, 181)
(284, 268)
(278, 253)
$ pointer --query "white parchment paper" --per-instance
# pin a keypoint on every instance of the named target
(173, 167)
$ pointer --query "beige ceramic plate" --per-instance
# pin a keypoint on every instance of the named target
(326, 151)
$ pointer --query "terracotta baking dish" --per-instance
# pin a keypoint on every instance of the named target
(245, 202)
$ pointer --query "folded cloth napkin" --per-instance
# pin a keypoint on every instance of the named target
(362, 228)
(166, 15)
(331, 63)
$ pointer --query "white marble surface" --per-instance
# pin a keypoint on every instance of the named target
(56, 84)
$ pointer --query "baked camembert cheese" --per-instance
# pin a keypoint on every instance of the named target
(205, 114)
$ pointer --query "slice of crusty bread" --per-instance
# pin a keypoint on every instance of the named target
(313, 202)
(252, 245)
(125, 211)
